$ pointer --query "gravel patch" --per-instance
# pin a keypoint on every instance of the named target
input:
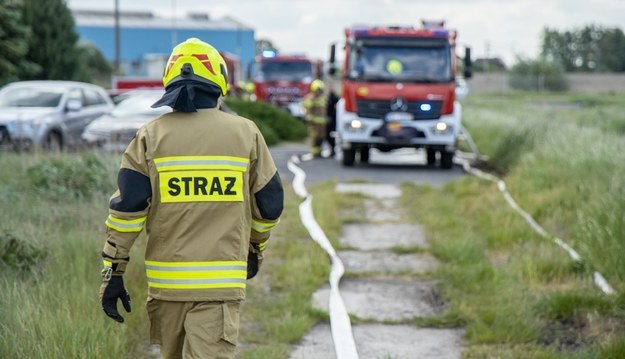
(378, 341)
(387, 299)
(383, 236)
(375, 190)
(386, 262)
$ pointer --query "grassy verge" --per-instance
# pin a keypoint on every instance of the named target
(51, 309)
(518, 294)
(52, 211)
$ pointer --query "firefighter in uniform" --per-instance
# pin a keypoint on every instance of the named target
(315, 107)
(205, 188)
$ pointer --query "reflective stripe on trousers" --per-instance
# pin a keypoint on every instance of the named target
(196, 275)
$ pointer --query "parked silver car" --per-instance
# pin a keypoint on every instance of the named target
(115, 130)
(50, 114)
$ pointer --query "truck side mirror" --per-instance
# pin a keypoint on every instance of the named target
(332, 54)
(332, 60)
(468, 67)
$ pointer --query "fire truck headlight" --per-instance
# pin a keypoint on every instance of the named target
(442, 127)
(356, 125)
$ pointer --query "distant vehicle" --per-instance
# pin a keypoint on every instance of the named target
(115, 130)
(400, 90)
(120, 85)
(48, 114)
(283, 80)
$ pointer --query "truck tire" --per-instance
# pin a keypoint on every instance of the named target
(364, 155)
(349, 156)
(431, 156)
(447, 159)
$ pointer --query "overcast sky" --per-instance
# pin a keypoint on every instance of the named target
(503, 28)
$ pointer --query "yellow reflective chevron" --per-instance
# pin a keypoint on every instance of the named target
(124, 225)
(196, 275)
(181, 163)
(262, 227)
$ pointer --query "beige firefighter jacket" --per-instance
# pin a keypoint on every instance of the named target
(315, 108)
(203, 185)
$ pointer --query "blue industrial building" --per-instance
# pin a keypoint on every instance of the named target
(146, 40)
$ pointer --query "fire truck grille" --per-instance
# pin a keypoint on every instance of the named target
(422, 110)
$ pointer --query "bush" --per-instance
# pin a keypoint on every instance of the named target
(537, 75)
(271, 120)
(68, 175)
(17, 254)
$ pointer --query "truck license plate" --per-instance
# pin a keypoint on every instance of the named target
(393, 126)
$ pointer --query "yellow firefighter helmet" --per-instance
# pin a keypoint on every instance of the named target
(317, 85)
(196, 60)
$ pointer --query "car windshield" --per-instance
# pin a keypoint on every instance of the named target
(30, 97)
(139, 104)
(410, 63)
(284, 71)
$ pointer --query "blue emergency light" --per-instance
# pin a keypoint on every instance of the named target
(269, 53)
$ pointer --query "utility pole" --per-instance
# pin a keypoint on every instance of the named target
(117, 39)
(174, 34)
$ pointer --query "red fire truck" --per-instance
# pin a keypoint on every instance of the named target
(121, 84)
(399, 91)
(283, 80)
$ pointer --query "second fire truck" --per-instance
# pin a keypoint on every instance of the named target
(283, 80)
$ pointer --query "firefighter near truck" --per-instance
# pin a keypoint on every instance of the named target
(284, 80)
(398, 91)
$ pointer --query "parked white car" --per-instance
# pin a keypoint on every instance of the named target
(49, 114)
(115, 130)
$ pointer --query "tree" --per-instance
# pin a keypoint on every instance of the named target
(54, 40)
(264, 45)
(489, 64)
(93, 66)
(591, 48)
(13, 44)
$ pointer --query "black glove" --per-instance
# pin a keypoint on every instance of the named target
(111, 290)
(252, 265)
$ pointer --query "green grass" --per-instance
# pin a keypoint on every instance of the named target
(515, 293)
(50, 308)
(518, 294)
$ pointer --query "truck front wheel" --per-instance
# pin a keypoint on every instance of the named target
(364, 155)
(349, 156)
(431, 156)
(447, 159)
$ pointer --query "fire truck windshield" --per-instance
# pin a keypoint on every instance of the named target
(284, 71)
(397, 62)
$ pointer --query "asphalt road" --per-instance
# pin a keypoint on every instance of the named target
(396, 167)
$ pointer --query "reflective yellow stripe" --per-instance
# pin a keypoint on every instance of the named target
(196, 275)
(177, 163)
(124, 225)
(263, 227)
(317, 119)
(262, 246)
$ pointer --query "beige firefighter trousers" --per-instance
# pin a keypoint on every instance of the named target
(194, 330)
